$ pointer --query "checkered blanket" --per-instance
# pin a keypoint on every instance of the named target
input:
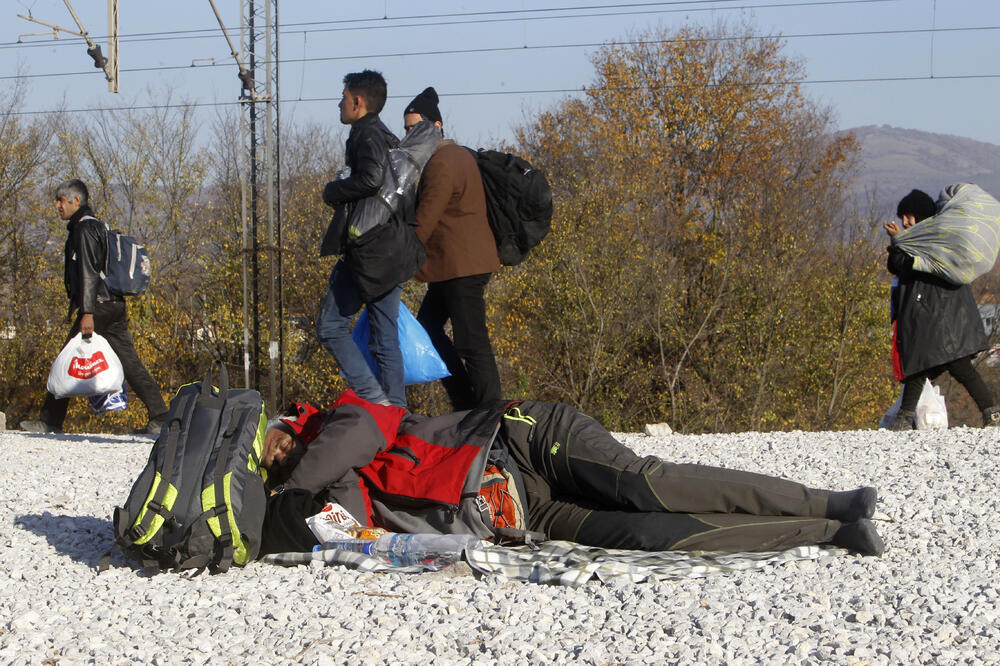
(570, 564)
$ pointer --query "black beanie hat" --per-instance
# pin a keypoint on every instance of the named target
(918, 204)
(426, 104)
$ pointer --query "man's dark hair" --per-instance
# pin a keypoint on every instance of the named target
(918, 204)
(73, 188)
(368, 85)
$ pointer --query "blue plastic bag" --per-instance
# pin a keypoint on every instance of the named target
(421, 361)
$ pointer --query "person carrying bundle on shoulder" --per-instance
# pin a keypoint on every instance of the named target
(936, 324)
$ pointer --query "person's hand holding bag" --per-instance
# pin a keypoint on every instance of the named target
(86, 366)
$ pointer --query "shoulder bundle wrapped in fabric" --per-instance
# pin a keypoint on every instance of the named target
(961, 241)
(398, 192)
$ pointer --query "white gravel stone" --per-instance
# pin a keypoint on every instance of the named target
(934, 597)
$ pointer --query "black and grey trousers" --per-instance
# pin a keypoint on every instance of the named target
(583, 485)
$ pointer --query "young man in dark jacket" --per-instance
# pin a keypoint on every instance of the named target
(568, 477)
(937, 325)
(461, 257)
(366, 157)
(97, 309)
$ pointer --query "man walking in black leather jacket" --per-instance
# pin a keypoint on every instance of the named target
(97, 309)
(366, 157)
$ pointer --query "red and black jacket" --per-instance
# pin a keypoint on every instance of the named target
(373, 459)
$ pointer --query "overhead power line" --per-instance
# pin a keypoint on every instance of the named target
(502, 16)
(500, 49)
(545, 91)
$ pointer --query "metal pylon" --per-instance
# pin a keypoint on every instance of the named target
(261, 201)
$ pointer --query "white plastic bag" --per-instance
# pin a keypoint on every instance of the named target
(931, 411)
(85, 367)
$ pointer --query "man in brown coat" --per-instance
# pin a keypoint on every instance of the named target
(461, 257)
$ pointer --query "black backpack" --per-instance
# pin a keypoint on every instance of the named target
(518, 203)
(200, 500)
(127, 265)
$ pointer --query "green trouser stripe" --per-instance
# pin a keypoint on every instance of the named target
(168, 503)
(779, 520)
(208, 502)
(523, 418)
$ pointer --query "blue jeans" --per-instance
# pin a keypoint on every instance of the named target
(333, 327)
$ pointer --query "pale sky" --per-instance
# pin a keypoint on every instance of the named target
(930, 65)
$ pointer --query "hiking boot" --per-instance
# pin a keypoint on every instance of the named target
(904, 421)
(152, 428)
(991, 416)
(39, 427)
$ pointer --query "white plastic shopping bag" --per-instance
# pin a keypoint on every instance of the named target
(931, 411)
(86, 367)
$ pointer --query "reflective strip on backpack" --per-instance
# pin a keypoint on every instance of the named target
(208, 502)
(168, 503)
(257, 452)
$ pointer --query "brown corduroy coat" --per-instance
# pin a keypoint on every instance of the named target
(451, 217)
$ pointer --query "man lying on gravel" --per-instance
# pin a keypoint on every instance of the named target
(562, 474)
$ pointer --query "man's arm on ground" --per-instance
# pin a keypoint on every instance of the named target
(349, 440)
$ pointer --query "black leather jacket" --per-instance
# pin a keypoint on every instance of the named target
(86, 253)
(367, 154)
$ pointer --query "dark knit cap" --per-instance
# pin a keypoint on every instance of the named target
(918, 204)
(426, 104)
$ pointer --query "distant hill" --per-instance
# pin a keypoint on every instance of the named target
(896, 160)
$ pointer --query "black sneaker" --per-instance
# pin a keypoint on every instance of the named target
(904, 421)
(991, 417)
(152, 428)
(39, 427)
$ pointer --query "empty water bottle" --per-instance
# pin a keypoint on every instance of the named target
(430, 551)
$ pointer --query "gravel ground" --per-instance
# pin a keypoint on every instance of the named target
(932, 598)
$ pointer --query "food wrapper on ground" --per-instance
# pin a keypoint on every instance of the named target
(333, 522)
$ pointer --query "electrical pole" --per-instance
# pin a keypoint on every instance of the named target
(108, 65)
(260, 124)
(260, 168)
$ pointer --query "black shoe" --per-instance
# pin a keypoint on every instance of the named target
(152, 428)
(848, 506)
(859, 537)
(904, 421)
(991, 416)
(39, 427)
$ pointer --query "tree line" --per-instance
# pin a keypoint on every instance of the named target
(706, 265)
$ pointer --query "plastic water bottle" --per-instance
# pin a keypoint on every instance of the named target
(430, 551)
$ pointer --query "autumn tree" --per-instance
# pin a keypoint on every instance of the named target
(699, 221)
(32, 297)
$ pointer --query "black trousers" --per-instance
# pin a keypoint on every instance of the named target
(963, 372)
(583, 485)
(469, 357)
(110, 320)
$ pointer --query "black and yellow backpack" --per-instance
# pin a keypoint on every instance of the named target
(200, 500)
